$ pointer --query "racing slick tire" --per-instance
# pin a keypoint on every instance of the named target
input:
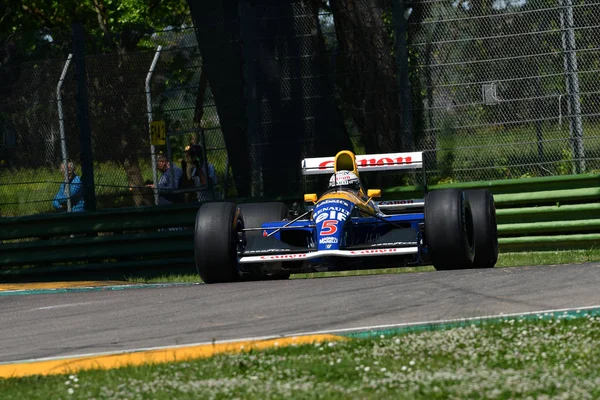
(217, 234)
(254, 215)
(485, 227)
(449, 233)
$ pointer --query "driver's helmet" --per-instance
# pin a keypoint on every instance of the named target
(345, 180)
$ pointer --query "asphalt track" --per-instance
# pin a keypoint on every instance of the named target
(78, 322)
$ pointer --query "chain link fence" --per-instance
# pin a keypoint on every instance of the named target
(509, 87)
(30, 135)
(494, 90)
(39, 122)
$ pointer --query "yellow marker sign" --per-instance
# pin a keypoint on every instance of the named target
(158, 133)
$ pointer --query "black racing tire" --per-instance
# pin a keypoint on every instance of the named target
(217, 235)
(485, 227)
(254, 215)
(449, 233)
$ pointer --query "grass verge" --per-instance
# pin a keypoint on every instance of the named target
(548, 357)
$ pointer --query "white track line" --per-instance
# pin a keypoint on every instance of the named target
(328, 331)
(447, 321)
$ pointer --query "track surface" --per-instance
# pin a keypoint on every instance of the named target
(75, 323)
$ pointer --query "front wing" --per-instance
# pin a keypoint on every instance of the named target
(272, 258)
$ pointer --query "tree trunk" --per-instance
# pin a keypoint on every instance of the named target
(289, 112)
(217, 31)
(368, 78)
(141, 195)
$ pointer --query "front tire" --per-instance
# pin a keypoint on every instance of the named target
(217, 234)
(449, 234)
(485, 227)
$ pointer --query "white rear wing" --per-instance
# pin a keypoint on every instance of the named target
(366, 162)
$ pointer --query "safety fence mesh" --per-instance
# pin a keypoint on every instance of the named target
(489, 90)
(509, 88)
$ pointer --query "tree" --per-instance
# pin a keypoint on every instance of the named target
(113, 27)
(368, 79)
(266, 67)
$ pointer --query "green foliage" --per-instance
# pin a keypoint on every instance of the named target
(565, 165)
(111, 24)
(447, 154)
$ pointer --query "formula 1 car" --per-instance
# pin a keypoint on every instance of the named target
(345, 229)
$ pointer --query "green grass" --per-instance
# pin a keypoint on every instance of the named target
(497, 152)
(552, 357)
(31, 191)
(548, 258)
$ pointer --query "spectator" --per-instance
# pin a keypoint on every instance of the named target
(73, 190)
(201, 173)
(169, 180)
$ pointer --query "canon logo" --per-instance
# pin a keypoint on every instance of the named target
(372, 162)
(395, 202)
(375, 251)
(283, 256)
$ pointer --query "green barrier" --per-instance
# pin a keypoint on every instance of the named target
(548, 213)
(520, 185)
(534, 228)
(555, 242)
(507, 186)
(137, 237)
(158, 244)
(124, 219)
(546, 197)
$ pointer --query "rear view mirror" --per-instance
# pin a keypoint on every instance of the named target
(374, 193)
(310, 198)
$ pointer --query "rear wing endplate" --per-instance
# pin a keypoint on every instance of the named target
(366, 163)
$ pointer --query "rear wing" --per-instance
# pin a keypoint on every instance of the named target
(366, 162)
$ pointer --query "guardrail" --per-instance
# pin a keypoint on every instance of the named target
(548, 213)
(149, 237)
(533, 214)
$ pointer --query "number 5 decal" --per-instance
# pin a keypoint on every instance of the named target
(329, 227)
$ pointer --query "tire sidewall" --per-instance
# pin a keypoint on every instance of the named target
(216, 242)
(449, 235)
(485, 226)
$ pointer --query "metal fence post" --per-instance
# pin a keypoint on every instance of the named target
(250, 47)
(61, 126)
(401, 50)
(83, 118)
(572, 80)
(149, 111)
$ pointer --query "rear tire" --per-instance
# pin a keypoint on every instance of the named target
(254, 215)
(449, 234)
(217, 236)
(485, 227)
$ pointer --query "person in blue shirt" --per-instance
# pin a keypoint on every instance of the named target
(201, 173)
(74, 190)
(168, 181)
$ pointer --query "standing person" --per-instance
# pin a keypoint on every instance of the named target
(201, 172)
(74, 190)
(169, 180)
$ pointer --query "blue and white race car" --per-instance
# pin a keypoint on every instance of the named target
(345, 228)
